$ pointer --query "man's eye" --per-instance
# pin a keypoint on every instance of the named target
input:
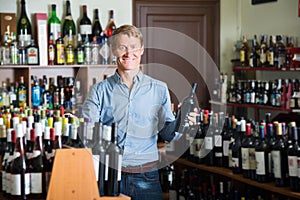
(122, 48)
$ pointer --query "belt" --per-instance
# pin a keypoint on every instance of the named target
(147, 167)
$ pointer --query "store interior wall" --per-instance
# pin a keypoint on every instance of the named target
(238, 17)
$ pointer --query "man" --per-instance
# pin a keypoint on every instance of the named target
(142, 108)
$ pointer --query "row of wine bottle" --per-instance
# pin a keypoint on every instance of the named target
(264, 151)
(28, 141)
(186, 183)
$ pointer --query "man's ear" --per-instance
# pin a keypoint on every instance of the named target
(142, 50)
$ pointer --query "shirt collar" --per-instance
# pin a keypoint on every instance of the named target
(137, 78)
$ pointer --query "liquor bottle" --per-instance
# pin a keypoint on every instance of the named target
(99, 157)
(87, 52)
(22, 54)
(111, 26)
(231, 91)
(24, 26)
(173, 188)
(244, 52)
(97, 28)
(187, 105)
(85, 25)
(6, 155)
(79, 50)
(51, 51)
(14, 50)
(279, 158)
(60, 50)
(262, 157)
(49, 137)
(280, 50)
(239, 92)
(218, 139)
(105, 51)
(292, 158)
(8, 186)
(69, 51)
(32, 51)
(3, 148)
(254, 57)
(270, 57)
(114, 159)
(236, 150)
(54, 24)
(58, 132)
(233, 129)
(199, 139)
(47, 98)
(20, 179)
(37, 173)
(209, 141)
(4, 95)
(35, 92)
(245, 147)
(95, 56)
(263, 51)
(68, 24)
(227, 135)
(22, 93)
(5, 51)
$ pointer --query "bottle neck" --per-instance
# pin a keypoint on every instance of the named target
(96, 15)
(84, 11)
(23, 8)
(68, 9)
(53, 11)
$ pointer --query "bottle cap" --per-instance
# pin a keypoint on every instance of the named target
(19, 130)
(38, 129)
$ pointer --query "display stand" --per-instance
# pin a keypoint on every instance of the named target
(73, 177)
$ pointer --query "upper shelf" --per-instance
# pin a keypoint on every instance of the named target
(264, 69)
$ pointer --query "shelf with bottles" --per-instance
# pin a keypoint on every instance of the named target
(238, 177)
(87, 75)
(256, 106)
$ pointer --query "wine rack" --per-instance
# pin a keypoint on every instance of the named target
(268, 187)
(86, 74)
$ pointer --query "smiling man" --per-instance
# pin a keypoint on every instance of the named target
(141, 107)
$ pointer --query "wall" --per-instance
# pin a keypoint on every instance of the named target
(238, 17)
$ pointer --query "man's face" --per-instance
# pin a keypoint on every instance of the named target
(128, 52)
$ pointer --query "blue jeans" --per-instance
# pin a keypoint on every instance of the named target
(142, 186)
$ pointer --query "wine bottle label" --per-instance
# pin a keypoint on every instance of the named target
(50, 155)
(198, 144)
(276, 163)
(15, 181)
(225, 147)
(260, 163)
(120, 167)
(235, 162)
(229, 158)
(54, 29)
(104, 52)
(4, 181)
(218, 154)
(298, 168)
(32, 55)
(36, 183)
(252, 160)
(242, 56)
(293, 166)
(85, 29)
(218, 140)
(208, 142)
(106, 167)
(60, 53)
(245, 159)
(96, 159)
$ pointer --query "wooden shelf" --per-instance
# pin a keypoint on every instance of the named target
(264, 69)
(254, 106)
(285, 191)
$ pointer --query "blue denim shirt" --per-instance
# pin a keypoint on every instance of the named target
(140, 113)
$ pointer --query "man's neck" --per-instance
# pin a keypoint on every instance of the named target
(128, 76)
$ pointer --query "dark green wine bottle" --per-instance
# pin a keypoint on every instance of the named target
(24, 26)
(68, 23)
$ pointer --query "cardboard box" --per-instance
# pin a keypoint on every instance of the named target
(7, 24)
(42, 37)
